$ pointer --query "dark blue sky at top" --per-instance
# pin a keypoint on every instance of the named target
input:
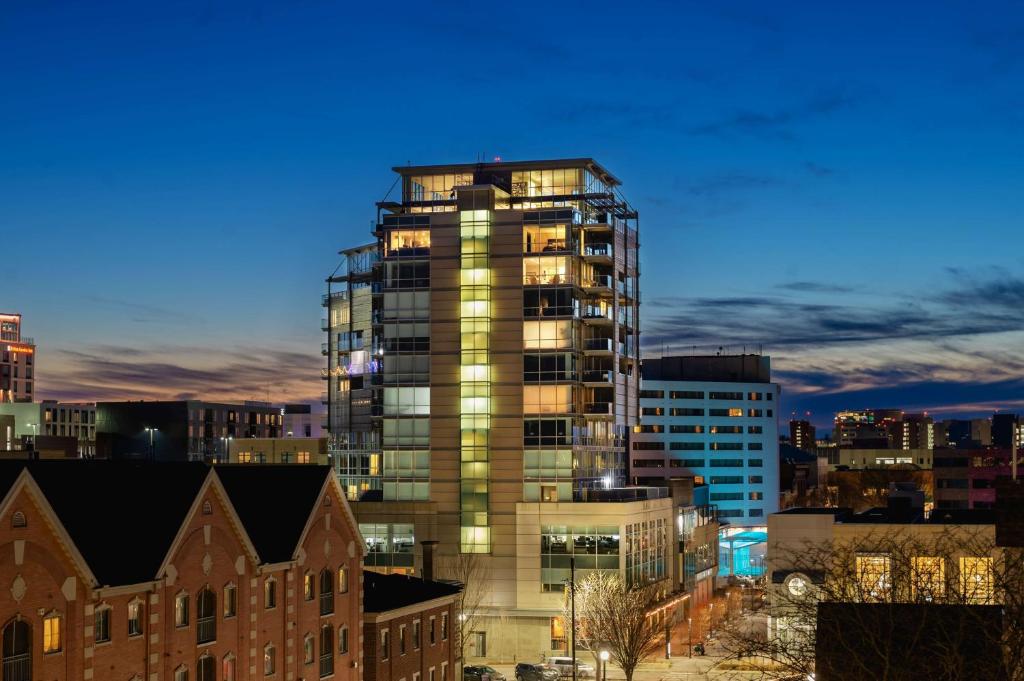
(841, 182)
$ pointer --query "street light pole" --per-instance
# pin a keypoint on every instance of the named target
(572, 607)
(689, 637)
(152, 447)
(603, 656)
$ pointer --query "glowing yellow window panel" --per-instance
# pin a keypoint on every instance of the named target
(476, 372)
(976, 579)
(476, 277)
(874, 576)
(476, 405)
(929, 578)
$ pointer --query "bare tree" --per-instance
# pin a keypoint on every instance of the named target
(471, 571)
(613, 616)
(892, 606)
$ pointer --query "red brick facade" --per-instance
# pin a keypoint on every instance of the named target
(433, 659)
(185, 627)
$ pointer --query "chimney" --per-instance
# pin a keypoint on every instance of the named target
(428, 559)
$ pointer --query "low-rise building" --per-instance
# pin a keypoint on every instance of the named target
(183, 430)
(233, 573)
(967, 478)
(278, 450)
(409, 628)
(868, 457)
(75, 420)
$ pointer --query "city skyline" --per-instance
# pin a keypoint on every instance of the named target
(847, 185)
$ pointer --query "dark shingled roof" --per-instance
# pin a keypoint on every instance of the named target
(266, 496)
(97, 502)
(390, 592)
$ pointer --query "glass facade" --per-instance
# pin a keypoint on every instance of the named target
(593, 548)
(389, 546)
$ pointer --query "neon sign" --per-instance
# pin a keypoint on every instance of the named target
(20, 347)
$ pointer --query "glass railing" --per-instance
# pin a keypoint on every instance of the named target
(598, 250)
(597, 312)
(597, 408)
(603, 376)
(598, 344)
(599, 281)
(324, 325)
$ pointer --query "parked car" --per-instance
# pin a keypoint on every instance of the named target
(481, 673)
(536, 672)
(564, 667)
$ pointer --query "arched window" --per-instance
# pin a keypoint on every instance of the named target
(326, 592)
(19, 520)
(206, 669)
(17, 651)
(307, 649)
(326, 650)
(343, 579)
(228, 667)
(206, 616)
(269, 660)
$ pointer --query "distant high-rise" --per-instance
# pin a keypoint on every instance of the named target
(713, 416)
(17, 361)
(801, 435)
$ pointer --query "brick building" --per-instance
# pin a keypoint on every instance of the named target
(408, 630)
(177, 572)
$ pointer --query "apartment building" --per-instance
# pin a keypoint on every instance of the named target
(802, 434)
(184, 430)
(284, 450)
(50, 419)
(219, 573)
(713, 416)
(482, 379)
(17, 361)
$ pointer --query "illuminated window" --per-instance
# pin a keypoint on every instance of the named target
(928, 578)
(547, 334)
(874, 577)
(302, 457)
(544, 239)
(976, 579)
(343, 579)
(408, 242)
(308, 587)
(547, 399)
(51, 633)
(244, 457)
(543, 270)
(181, 610)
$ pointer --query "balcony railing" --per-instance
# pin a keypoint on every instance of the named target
(324, 347)
(327, 663)
(598, 408)
(597, 313)
(18, 668)
(327, 603)
(598, 376)
(604, 250)
(598, 344)
(206, 629)
(324, 324)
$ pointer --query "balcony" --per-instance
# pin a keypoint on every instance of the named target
(625, 289)
(597, 409)
(599, 253)
(598, 347)
(600, 285)
(325, 348)
(599, 378)
(324, 324)
(596, 315)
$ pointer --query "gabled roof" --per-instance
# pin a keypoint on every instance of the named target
(106, 507)
(390, 592)
(274, 503)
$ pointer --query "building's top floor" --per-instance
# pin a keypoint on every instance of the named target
(746, 368)
(193, 405)
(10, 326)
(581, 183)
(897, 514)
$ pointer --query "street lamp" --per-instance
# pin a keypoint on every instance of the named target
(152, 448)
(226, 442)
(711, 621)
(603, 656)
(689, 637)
(35, 434)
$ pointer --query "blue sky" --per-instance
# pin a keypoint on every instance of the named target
(840, 182)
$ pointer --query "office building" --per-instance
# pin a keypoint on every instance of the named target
(144, 571)
(17, 361)
(1006, 431)
(912, 431)
(865, 428)
(967, 433)
(715, 417)
(185, 430)
(802, 435)
(482, 370)
(967, 478)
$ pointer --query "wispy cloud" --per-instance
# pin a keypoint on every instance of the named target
(116, 373)
(813, 287)
(778, 123)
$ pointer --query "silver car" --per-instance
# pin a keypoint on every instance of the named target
(564, 667)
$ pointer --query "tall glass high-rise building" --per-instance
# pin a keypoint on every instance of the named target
(482, 382)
